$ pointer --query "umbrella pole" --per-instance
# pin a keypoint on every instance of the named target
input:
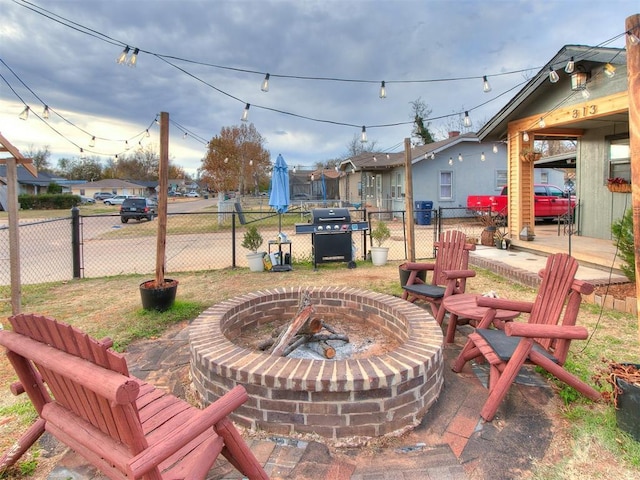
(279, 223)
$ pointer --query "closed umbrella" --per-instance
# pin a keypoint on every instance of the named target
(279, 197)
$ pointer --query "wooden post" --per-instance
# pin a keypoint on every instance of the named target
(408, 201)
(163, 185)
(632, 24)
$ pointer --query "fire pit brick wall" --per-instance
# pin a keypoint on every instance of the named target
(336, 399)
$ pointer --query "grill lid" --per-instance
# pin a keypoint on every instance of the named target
(323, 215)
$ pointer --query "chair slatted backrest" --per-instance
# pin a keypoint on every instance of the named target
(121, 422)
(555, 292)
(452, 254)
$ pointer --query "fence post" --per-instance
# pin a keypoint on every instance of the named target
(75, 241)
(233, 240)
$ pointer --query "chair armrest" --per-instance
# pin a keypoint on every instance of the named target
(505, 304)
(452, 274)
(419, 266)
(517, 329)
(178, 438)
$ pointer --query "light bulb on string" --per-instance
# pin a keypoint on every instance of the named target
(486, 88)
(147, 134)
(250, 163)
(571, 65)
(542, 123)
(633, 38)
(495, 148)
(184, 136)
(383, 90)
(482, 157)
(265, 83)
(45, 112)
(609, 70)
(460, 157)
(375, 159)
(24, 115)
(450, 160)
(226, 159)
(525, 136)
(388, 156)
(92, 142)
(245, 112)
(467, 121)
(363, 135)
(585, 93)
(133, 60)
(122, 58)
(126, 145)
(82, 156)
(433, 155)
(553, 75)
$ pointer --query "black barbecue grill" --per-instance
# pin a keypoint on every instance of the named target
(330, 230)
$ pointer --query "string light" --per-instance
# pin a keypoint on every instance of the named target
(92, 142)
(525, 137)
(482, 157)
(467, 121)
(375, 159)
(542, 123)
(609, 70)
(585, 93)
(571, 65)
(633, 38)
(45, 112)
(383, 90)
(245, 113)
(122, 58)
(450, 160)
(265, 83)
(25, 113)
(133, 60)
(553, 75)
(147, 134)
(459, 157)
(433, 155)
(363, 136)
(495, 148)
(486, 88)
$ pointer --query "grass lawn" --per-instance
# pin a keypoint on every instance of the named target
(587, 444)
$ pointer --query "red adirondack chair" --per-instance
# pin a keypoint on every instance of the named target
(449, 273)
(544, 340)
(126, 428)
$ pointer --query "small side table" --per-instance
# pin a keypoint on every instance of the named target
(464, 305)
(279, 250)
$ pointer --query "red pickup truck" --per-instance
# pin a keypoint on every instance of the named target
(549, 202)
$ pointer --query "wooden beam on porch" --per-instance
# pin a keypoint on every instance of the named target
(560, 132)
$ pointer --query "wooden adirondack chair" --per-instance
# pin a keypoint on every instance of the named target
(544, 340)
(128, 429)
(449, 273)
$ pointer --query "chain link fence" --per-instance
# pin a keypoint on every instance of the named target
(101, 245)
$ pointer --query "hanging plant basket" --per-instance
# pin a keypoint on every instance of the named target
(530, 157)
(619, 187)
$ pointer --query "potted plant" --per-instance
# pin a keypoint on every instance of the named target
(529, 155)
(252, 241)
(624, 379)
(490, 224)
(619, 185)
(500, 239)
(379, 235)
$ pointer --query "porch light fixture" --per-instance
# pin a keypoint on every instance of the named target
(383, 90)
(571, 65)
(609, 70)
(553, 75)
(467, 121)
(579, 79)
(363, 135)
(265, 83)
(486, 88)
(245, 113)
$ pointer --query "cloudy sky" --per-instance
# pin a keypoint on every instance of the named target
(202, 61)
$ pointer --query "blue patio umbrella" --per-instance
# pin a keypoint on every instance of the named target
(279, 196)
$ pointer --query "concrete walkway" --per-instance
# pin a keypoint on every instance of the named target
(452, 442)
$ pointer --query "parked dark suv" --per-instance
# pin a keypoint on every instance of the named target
(137, 208)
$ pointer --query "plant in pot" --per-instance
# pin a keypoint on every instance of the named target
(529, 155)
(488, 221)
(501, 239)
(624, 379)
(252, 241)
(379, 235)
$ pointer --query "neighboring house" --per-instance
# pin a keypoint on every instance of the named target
(589, 107)
(27, 183)
(109, 185)
(324, 184)
(443, 172)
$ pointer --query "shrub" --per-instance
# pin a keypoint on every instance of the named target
(252, 239)
(622, 230)
(380, 233)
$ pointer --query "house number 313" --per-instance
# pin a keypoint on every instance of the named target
(584, 111)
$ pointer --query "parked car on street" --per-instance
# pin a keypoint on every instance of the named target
(137, 208)
(193, 194)
(116, 199)
(84, 200)
(102, 195)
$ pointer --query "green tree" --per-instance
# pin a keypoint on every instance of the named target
(236, 159)
(54, 188)
(622, 230)
(419, 112)
(40, 157)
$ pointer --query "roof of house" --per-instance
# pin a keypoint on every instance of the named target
(496, 128)
(110, 183)
(25, 177)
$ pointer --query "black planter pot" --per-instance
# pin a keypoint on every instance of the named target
(158, 298)
(628, 411)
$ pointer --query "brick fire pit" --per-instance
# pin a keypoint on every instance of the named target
(336, 399)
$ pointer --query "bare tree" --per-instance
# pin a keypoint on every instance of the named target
(356, 147)
(420, 111)
(40, 157)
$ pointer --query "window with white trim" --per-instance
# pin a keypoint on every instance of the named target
(501, 179)
(620, 157)
(446, 185)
